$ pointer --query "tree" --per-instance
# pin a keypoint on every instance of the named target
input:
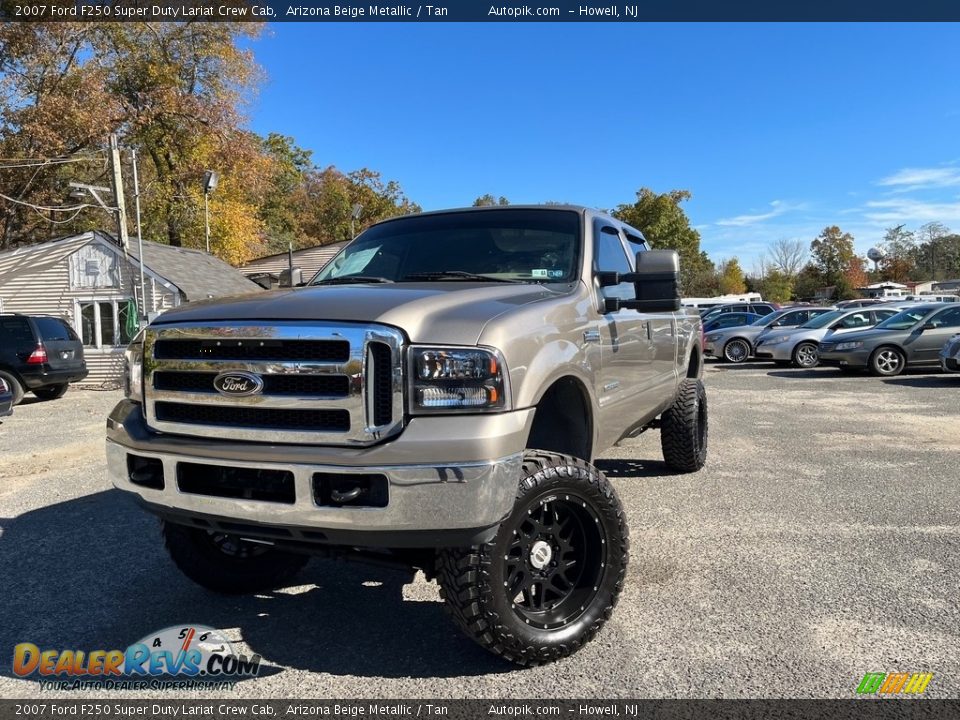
(731, 279)
(775, 286)
(665, 225)
(489, 200)
(788, 256)
(832, 253)
(854, 277)
(899, 260)
(938, 254)
(808, 281)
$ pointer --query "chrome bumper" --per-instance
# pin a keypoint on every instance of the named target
(427, 500)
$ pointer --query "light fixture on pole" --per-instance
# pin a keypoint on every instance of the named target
(210, 179)
(354, 216)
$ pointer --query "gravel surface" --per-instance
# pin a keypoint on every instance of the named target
(819, 543)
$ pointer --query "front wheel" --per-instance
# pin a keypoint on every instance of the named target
(16, 389)
(806, 355)
(887, 361)
(227, 563)
(51, 392)
(548, 581)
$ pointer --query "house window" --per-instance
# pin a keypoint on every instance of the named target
(107, 323)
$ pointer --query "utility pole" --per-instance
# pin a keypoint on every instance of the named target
(136, 198)
(118, 191)
(210, 179)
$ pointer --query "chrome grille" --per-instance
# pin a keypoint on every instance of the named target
(324, 383)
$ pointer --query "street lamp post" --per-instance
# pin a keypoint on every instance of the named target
(210, 179)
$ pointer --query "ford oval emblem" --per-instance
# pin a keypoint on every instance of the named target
(238, 384)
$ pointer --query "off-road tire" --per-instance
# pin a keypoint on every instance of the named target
(736, 351)
(887, 361)
(801, 355)
(15, 387)
(197, 555)
(51, 392)
(472, 580)
(683, 428)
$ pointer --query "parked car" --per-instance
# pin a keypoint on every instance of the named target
(913, 336)
(862, 302)
(950, 355)
(729, 320)
(801, 346)
(759, 308)
(6, 399)
(736, 344)
(39, 354)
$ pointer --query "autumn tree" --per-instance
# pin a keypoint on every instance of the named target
(775, 286)
(900, 251)
(664, 223)
(938, 252)
(731, 280)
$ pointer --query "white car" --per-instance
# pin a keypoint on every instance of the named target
(950, 355)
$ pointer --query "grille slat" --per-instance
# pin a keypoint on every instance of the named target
(275, 350)
(305, 385)
(258, 418)
(382, 383)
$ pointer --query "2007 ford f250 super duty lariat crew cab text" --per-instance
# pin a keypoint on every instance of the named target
(434, 398)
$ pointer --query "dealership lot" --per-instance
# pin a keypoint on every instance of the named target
(819, 543)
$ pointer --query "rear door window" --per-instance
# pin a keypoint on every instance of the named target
(16, 330)
(53, 329)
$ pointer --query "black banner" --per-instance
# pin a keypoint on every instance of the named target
(479, 11)
(172, 709)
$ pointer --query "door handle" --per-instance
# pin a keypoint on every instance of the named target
(591, 336)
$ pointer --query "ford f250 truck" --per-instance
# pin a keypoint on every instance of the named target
(434, 399)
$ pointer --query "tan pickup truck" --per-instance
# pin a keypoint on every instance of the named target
(434, 398)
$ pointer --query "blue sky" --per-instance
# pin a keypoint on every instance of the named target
(778, 130)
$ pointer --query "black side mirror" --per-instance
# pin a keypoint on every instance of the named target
(656, 282)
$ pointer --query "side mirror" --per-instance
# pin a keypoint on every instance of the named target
(928, 326)
(656, 282)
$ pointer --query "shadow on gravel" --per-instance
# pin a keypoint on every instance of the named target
(633, 468)
(929, 381)
(92, 573)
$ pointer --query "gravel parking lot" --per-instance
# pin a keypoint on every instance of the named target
(819, 543)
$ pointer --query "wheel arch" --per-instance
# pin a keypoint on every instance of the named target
(563, 422)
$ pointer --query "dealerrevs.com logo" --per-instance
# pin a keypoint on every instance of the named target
(177, 657)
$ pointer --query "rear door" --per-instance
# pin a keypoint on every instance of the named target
(64, 349)
(17, 340)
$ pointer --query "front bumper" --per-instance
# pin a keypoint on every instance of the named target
(950, 363)
(846, 358)
(779, 351)
(433, 500)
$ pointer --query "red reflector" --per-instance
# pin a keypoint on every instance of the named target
(38, 356)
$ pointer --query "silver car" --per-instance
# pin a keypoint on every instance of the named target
(950, 355)
(736, 344)
(800, 346)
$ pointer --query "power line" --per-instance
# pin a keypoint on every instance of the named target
(40, 161)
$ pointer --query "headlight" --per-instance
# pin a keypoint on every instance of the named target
(852, 345)
(714, 337)
(777, 340)
(133, 370)
(448, 379)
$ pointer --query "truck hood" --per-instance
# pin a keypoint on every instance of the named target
(435, 312)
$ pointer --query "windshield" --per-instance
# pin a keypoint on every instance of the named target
(765, 320)
(537, 246)
(821, 321)
(905, 319)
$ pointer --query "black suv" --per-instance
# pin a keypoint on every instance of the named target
(39, 354)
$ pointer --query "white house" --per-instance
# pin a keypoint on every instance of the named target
(89, 281)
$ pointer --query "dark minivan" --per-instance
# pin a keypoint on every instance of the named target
(39, 354)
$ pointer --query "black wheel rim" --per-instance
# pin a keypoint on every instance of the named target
(555, 560)
(233, 546)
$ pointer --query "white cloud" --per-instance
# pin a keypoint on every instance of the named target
(908, 210)
(777, 208)
(910, 179)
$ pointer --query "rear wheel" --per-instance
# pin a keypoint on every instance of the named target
(806, 355)
(683, 428)
(548, 581)
(51, 392)
(228, 564)
(15, 387)
(887, 361)
(736, 351)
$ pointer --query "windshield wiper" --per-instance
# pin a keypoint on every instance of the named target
(350, 279)
(457, 275)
